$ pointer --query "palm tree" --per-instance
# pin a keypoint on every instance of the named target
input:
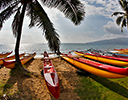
(123, 19)
(72, 9)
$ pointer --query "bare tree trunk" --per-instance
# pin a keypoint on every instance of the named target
(18, 62)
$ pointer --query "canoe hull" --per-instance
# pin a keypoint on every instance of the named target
(50, 76)
(11, 64)
(54, 90)
(122, 50)
(105, 60)
(1, 61)
(93, 70)
(10, 58)
(5, 54)
(106, 67)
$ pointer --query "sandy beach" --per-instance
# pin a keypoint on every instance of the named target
(33, 88)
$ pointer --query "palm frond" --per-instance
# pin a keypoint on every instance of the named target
(124, 5)
(73, 9)
(119, 19)
(127, 21)
(116, 13)
(124, 17)
(53, 43)
(40, 19)
(6, 3)
(15, 23)
(122, 28)
(123, 24)
(4, 15)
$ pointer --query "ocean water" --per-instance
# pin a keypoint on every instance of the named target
(64, 47)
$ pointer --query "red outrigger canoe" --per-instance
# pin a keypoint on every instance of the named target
(50, 76)
(122, 50)
(105, 58)
(96, 68)
(2, 55)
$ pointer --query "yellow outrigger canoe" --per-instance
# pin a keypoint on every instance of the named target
(11, 64)
(122, 50)
(103, 59)
(10, 58)
(2, 55)
(91, 69)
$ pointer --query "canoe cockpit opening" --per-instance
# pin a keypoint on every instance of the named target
(47, 66)
(45, 54)
(47, 61)
(51, 79)
(49, 70)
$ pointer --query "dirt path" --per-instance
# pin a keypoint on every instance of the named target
(33, 88)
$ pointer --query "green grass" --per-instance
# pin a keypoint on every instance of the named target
(1, 88)
(98, 88)
(8, 86)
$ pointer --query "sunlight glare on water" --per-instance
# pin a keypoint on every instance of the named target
(64, 47)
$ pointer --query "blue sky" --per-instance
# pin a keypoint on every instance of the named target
(97, 25)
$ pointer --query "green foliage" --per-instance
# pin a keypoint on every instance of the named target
(123, 19)
(119, 19)
(98, 88)
(6, 86)
(72, 9)
(1, 89)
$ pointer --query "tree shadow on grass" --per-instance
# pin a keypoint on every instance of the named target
(111, 85)
(15, 76)
(87, 90)
(21, 87)
(10, 88)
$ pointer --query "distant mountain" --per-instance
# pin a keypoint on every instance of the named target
(121, 41)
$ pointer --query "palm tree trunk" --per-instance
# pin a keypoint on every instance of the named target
(18, 62)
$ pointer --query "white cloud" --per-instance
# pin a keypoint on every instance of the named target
(81, 37)
(113, 28)
(101, 7)
(100, 1)
(6, 37)
(53, 13)
(66, 28)
(112, 36)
